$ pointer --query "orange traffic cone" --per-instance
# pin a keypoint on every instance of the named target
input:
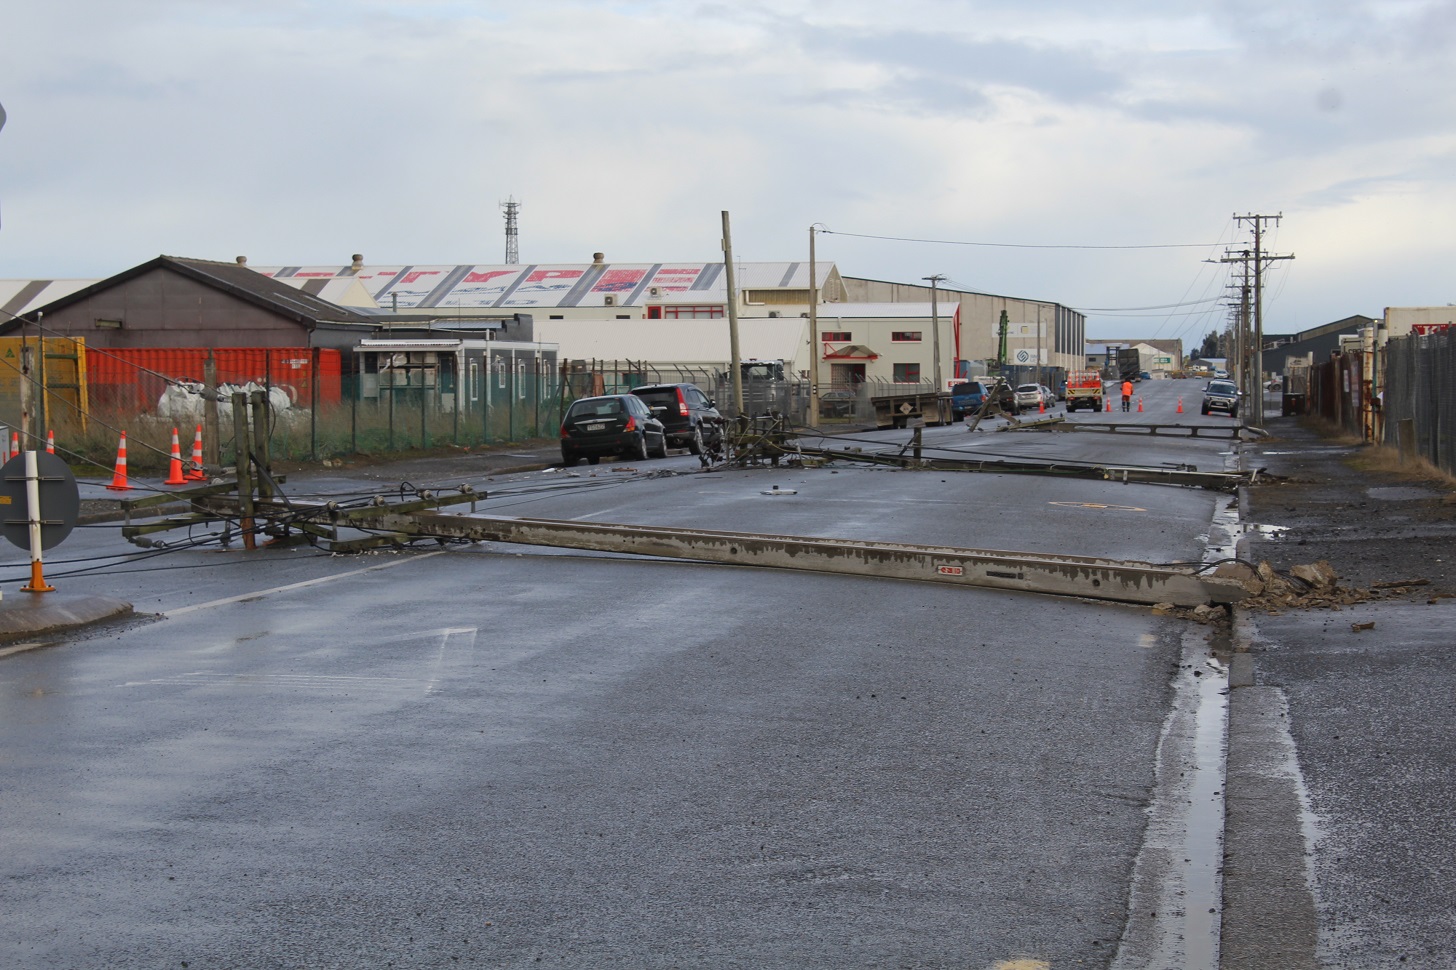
(195, 473)
(50, 442)
(1140, 405)
(14, 444)
(1107, 401)
(1180, 405)
(174, 472)
(118, 480)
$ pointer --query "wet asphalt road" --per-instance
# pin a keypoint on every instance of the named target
(506, 757)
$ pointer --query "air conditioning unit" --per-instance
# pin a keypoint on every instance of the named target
(654, 291)
(773, 313)
(609, 300)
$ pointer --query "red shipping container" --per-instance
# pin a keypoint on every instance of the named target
(133, 380)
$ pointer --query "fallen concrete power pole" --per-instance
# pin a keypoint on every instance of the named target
(1184, 475)
(1105, 579)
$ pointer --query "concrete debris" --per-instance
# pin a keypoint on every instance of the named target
(1314, 586)
(1319, 575)
(1357, 627)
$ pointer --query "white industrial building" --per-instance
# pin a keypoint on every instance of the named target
(676, 313)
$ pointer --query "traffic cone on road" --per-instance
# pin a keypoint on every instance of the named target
(1140, 405)
(50, 442)
(195, 473)
(1180, 405)
(1108, 402)
(1041, 406)
(174, 472)
(118, 479)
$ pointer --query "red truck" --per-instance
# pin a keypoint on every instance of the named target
(1084, 389)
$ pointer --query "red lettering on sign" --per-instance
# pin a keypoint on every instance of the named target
(411, 277)
(487, 277)
(553, 274)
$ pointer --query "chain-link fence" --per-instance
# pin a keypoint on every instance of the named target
(1418, 406)
(312, 410)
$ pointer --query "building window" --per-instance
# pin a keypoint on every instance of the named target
(907, 373)
(654, 313)
(692, 312)
(836, 336)
(558, 316)
(905, 336)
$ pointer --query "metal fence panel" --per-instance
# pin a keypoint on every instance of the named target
(1420, 397)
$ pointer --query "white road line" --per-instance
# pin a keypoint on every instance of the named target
(292, 586)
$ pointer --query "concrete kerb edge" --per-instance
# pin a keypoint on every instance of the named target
(47, 616)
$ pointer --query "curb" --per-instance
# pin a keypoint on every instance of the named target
(36, 614)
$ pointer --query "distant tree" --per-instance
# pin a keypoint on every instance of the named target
(1210, 345)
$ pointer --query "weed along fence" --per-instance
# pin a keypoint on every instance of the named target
(320, 402)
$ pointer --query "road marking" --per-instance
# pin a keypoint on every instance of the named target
(1023, 965)
(1098, 505)
(242, 597)
(325, 682)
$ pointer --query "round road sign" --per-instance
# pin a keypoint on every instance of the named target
(60, 500)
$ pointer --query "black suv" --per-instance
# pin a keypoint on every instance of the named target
(689, 416)
(1221, 396)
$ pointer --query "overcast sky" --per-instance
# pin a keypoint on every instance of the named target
(928, 136)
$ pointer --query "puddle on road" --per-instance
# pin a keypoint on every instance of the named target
(1175, 909)
(1225, 531)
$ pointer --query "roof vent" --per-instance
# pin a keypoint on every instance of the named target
(242, 260)
(358, 263)
(598, 258)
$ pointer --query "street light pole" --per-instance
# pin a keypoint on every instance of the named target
(813, 334)
(935, 329)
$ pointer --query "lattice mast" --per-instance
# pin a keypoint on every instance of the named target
(513, 249)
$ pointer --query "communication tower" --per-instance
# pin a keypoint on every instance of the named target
(513, 248)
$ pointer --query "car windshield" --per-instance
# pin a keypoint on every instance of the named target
(604, 407)
(1029, 388)
(1222, 387)
(969, 388)
(658, 395)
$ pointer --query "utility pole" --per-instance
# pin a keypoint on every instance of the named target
(1260, 258)
(813, 334)
(935, 329)
(728, 279)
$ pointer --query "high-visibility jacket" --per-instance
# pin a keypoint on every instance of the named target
(1127, 388)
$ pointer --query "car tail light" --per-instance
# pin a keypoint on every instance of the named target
(631, 424)
(682, 405)
(564, 432)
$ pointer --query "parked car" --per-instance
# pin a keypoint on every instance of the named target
(614, 424)
(689, 416)
(968, 397)
(838, 403)
(1221, 396)
(1029, 396)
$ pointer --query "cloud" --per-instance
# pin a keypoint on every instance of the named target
(305, 130)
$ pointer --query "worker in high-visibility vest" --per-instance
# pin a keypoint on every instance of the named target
(1127, 395)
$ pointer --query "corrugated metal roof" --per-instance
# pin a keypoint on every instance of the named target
(543, 285)
(19, 296)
